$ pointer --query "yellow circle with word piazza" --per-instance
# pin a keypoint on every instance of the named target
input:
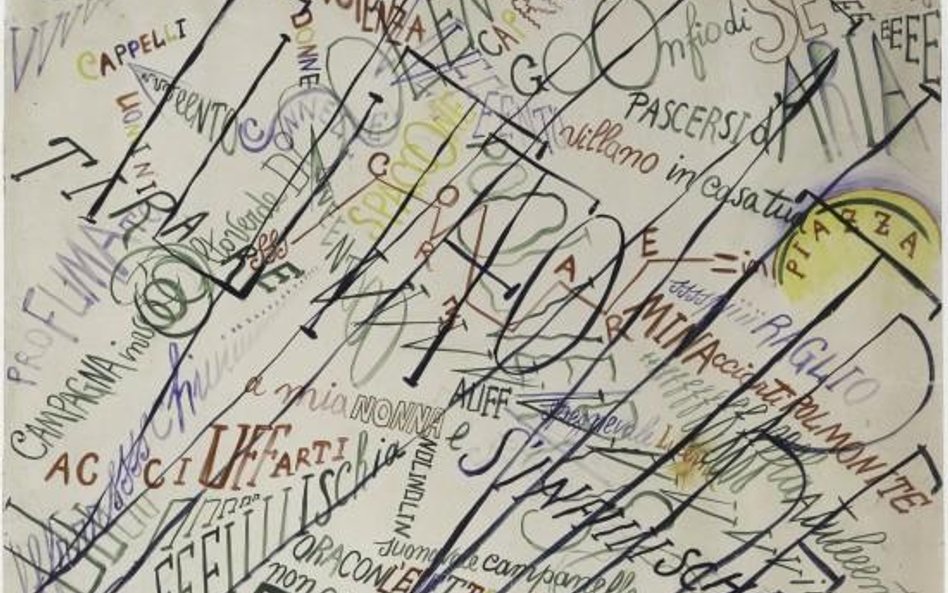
(824, 255)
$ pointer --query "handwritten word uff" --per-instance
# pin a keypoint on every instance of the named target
(259, 520)
(86, 61)
(490, 399)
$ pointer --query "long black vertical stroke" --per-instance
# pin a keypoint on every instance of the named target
(228, 123)
(699, 327)
(172, 87)
(824, 68)
(163, 100)
(64, 564)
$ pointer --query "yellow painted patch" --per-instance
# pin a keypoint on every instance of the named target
(823, 255)
(689, 466)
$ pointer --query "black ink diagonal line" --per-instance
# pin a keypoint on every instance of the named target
(65, 564)
(133, 148)
(157, 405)
(923, 403)
(253, 440)
(827, 518)
(228, 123)
(482, 270)
(374, 251)
(712, 315)
(80, 554)
(761, 432)
(826, 68)
(701, 326)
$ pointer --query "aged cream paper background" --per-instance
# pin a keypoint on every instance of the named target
(106, 296)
